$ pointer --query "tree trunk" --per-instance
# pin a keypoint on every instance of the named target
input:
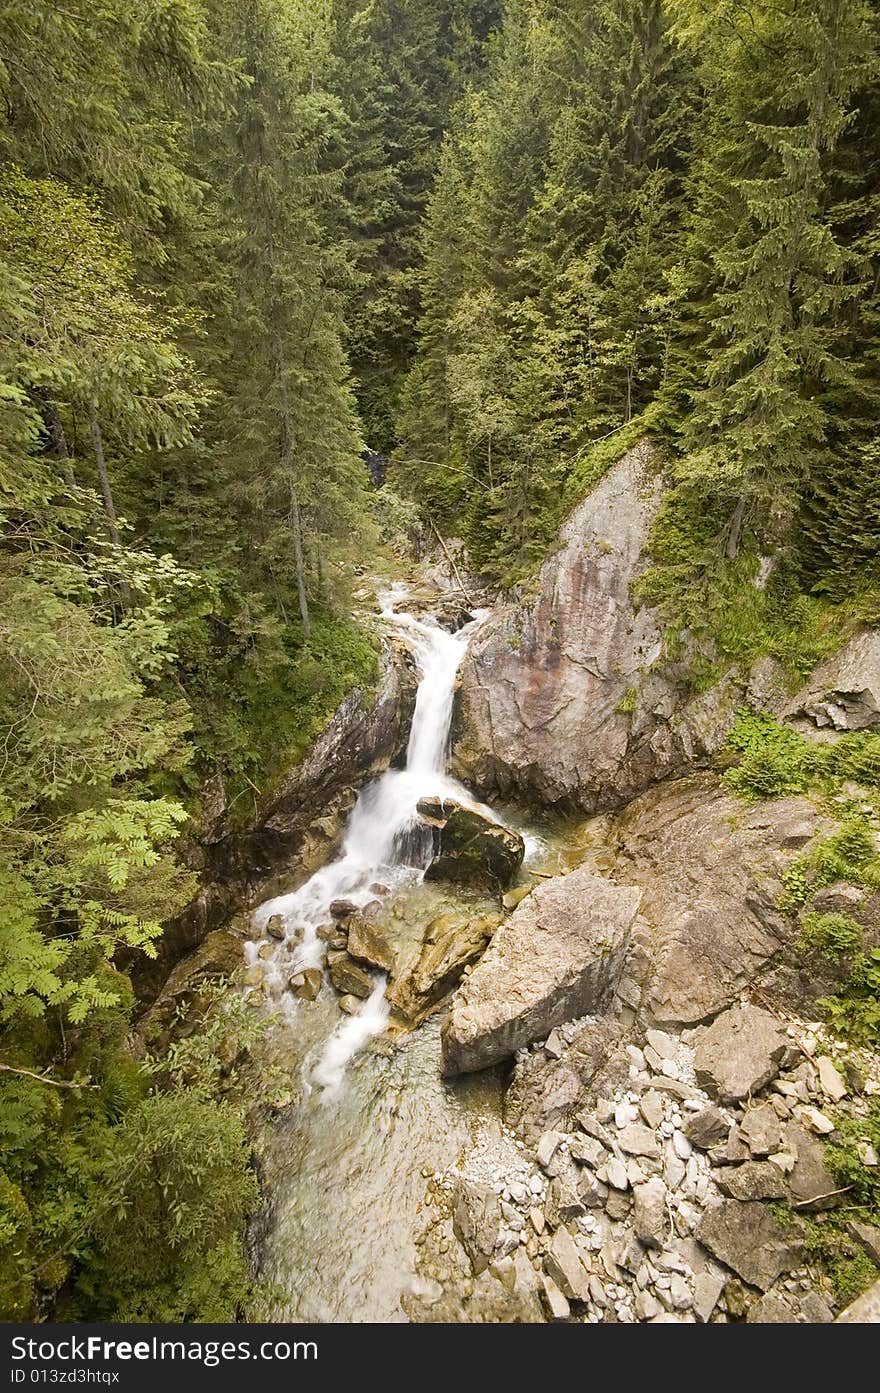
(100, 461)
(734, 530)
(296, 524)
(287, 462)
(58, 438)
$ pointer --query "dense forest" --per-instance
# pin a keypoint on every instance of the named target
(246, 242)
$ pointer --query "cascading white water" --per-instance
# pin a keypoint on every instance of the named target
(384, 839)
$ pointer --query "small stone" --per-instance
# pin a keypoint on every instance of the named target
(646, 1307)
(707, 1127)
(681, 1145)
(815, 1120)
(650, 1219)
(594, 1128)
(614, 1173)
(342, 909)
(554, 1045)
(617, 1205)
(556, 1304)
(831, 1083)
(562, 1262)
(665, 1045)
(868, 1236)
(761, 1130)
(624, 1114)
(587, 1151)
(815, 1310)
(310, 987)
(680, 1294)
(651, 1108)
(275, 928)
(547, 1148)
(536, 1217)
(867, 1154)
(708, 1287)
(604, 1110)
(674, 1168)
(637, 1140)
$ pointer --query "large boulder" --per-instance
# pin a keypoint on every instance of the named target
(470, 847)
(844, 692)
(559, 701)
(557, 957)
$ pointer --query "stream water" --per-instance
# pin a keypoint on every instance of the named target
(344, 1163)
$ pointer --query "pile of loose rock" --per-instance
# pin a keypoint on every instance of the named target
(661, 1201)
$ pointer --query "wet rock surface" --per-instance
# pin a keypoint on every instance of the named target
(469, 846)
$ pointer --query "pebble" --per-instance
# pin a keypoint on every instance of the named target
(830, 1080)
(816, 1120)
(624, 1114)
(683, 1148)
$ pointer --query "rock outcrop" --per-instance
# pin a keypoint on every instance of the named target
(557, 957)
(470, 847)
(844, 692)
(711, 869)
(559, 702)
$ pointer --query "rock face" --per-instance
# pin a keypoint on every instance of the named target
(557, 957)
(470, 847)
(844, 692)
(558, 703)
(218, 958)
(711, 870)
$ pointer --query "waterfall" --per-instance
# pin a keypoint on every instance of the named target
(384, 839)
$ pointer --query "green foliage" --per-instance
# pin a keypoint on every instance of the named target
(848, 1266)
(845, 1261)
(549, 285)
(774, 760)
(835, 936)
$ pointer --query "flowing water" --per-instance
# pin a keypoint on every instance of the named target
(344, 1164)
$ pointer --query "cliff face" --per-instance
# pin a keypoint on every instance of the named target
(559, 700)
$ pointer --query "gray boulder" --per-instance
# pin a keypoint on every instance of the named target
(469, 846)
(739, 1053)
(557, 957)
(476, 1222)
(559, 701)
(748, 1238)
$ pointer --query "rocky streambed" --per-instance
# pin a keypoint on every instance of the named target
(593, 1086)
